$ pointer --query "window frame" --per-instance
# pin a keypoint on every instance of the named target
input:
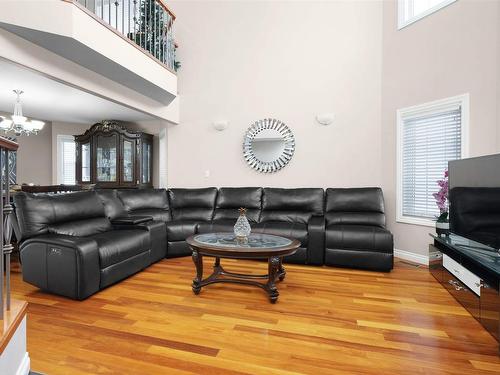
(402, 23)
(60, 139)
(419, 110)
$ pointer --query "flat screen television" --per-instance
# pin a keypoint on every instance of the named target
(475, 199)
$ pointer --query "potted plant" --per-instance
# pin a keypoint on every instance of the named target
(441, 197)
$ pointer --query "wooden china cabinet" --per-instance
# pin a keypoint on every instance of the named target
(111, 156)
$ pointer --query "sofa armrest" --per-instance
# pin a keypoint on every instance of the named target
(316, 244)
(157, 235)
(60, 264)
(131, 220)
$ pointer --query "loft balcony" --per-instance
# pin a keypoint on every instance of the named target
(148, 23)
(130, 42)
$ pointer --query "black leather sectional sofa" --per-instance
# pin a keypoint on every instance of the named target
(76, 244)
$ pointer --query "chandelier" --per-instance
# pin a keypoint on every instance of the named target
(18, 124)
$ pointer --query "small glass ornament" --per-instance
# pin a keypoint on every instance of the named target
(242, 227)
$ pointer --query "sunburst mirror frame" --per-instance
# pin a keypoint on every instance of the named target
(282, 160)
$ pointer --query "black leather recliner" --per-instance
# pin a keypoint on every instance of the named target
(69, 246)
(355, 233)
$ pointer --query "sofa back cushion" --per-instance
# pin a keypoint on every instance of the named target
(192, 204)
(35, 213)
(291, 205)
(138, 199)
(355, 206)
(113, 206)
(229, 200)
(82, 228)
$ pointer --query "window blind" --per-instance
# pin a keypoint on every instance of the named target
(68, 161)
(429, 141)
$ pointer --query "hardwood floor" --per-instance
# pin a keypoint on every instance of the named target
(326, 321)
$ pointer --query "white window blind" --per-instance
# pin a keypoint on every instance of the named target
(429, 141)
(66, 163)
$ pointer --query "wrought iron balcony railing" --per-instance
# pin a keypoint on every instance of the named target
(148, 23)
(7, 148)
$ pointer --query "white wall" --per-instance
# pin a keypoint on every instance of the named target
(244, 61)
(450, 52)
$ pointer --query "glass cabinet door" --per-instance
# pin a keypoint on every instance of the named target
(106, 158)
(85, 162)
(128, 171)
(146, 162)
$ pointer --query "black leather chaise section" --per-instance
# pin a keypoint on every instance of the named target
(355, 229)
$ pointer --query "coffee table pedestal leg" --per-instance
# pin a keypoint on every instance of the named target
(274, 273)
(282, 271)
(198, 262)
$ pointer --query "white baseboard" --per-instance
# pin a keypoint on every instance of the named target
(24, 367)
(412, 257)
(14, 360)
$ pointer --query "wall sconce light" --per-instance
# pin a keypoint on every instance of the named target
(325, 118)
(220, 125)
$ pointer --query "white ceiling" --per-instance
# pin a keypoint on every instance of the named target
(49, 100)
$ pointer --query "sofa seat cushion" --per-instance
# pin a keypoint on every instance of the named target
(283, 228)
(359, 237)
(157, 214)
(119, 245)
(217, 226)
(179, 230)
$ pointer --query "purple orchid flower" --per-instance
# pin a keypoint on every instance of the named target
(441, 197)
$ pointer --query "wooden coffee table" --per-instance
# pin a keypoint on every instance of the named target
(226, 245)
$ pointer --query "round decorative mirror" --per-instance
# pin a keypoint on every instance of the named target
(268, 145)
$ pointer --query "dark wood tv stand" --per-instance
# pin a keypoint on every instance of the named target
(470, 271)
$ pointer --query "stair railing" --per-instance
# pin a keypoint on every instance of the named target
(148, 23)
(6, 148)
